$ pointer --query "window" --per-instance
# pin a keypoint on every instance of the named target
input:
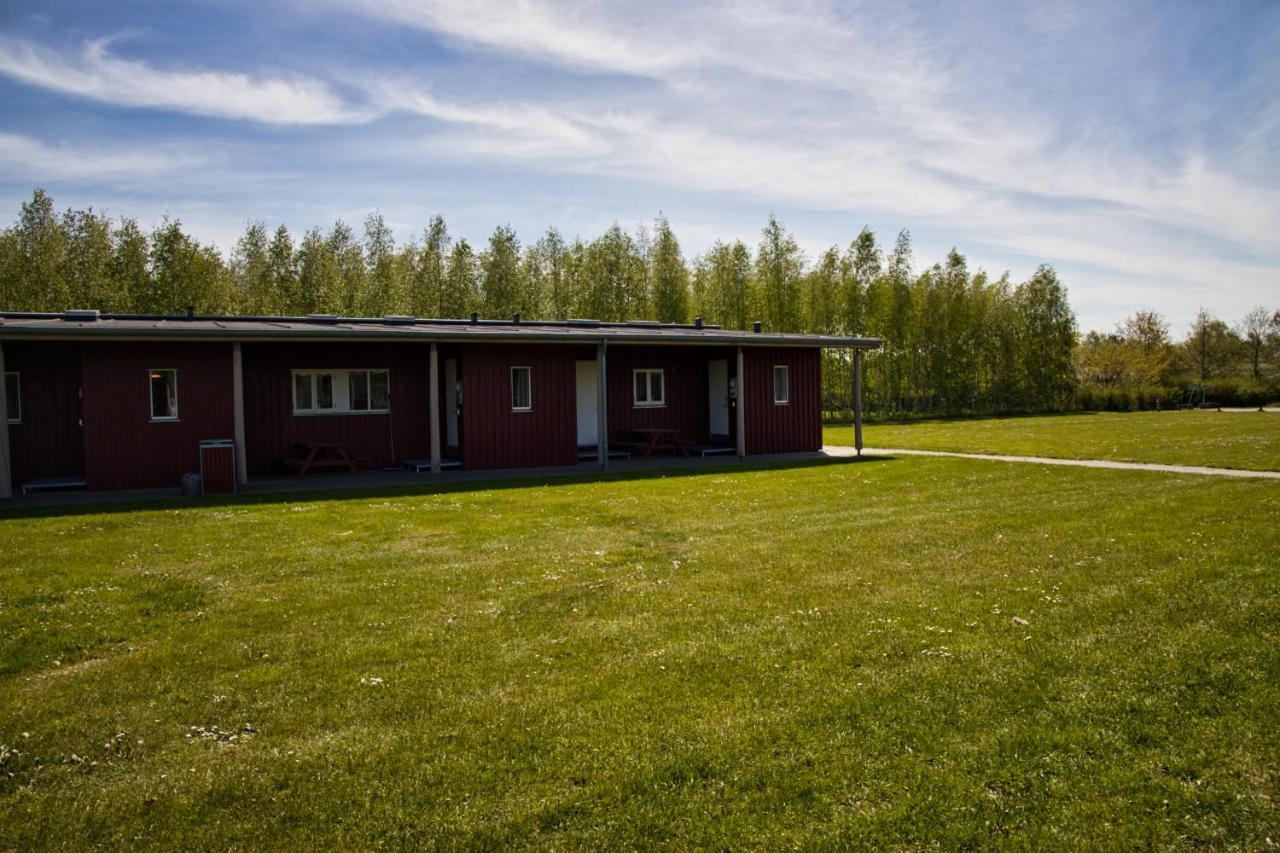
(164, 394)
(369, 390)
(13, 397)
(649, 389)
(781, 385)
(521, 389)
(320, 392)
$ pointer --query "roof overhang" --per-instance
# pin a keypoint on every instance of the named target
(85, 326)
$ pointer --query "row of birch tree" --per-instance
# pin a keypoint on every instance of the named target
(956, 340)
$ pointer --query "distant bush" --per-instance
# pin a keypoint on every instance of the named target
(1111, 398)
(1241, 392)
(1224, 392)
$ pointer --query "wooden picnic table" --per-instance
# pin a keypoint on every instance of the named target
(323, 454)
(649, 439)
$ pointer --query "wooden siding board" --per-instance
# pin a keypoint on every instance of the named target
(120, 447)
(493, 436)
(123, 447)
(375, 440)
(49, 442)
(685, 386)
(790, 428)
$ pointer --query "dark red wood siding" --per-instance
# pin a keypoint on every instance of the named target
(493, 436)
(218, 470)
(686, 389)
(373, 440)
(123, 447)
(48, 442)
(790, 428)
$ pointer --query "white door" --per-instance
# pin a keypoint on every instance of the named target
(588, 434)
(451, 402)
(718, 395)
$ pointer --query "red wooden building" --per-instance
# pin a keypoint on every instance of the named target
(126, 401)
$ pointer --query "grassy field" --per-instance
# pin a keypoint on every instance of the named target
(1218, 439)
(909, 653)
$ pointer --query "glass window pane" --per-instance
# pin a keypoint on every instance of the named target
(780, 389)
(302, 391)
(13, 396)
(359, 384)
(164, 394)
(641, 389)
(324, 390)
(657, 393)
(520, 396)
(379, 390)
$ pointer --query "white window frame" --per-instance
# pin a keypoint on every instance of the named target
(529, 373)
(649, 402)
(16, 397)
(151, 403)
(786, 384)
(341, 390)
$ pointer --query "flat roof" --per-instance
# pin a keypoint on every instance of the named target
(84, 325)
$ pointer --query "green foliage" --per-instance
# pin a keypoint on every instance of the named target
(185, 275)
(955, 340)
(1048, 328)
(461, 294)
(387, 270)
(317, 275)
(722, 285)
(502, 291)
(614, 277)
(549, 274)
(779, 272)
(669, 275)
(427, 288)
(284, 293)
(251, 270)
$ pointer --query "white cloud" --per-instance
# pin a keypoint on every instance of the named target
(573, 36)
(24, 158)
(527, 131)
(871, 114)
(840, 113)
(97, 74)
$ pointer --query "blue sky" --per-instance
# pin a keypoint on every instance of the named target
(1133, 146)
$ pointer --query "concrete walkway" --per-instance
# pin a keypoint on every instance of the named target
(1075, 463)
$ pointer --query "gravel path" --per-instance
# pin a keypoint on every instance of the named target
(1076, 463)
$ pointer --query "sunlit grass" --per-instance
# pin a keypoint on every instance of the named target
(1217, 439)
(908, 653)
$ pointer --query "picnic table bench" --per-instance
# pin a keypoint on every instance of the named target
(649, 439)
(321, 454)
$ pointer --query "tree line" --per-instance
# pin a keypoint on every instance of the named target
(955, 340)
(1139, 366)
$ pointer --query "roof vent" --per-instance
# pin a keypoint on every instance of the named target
(475, 317)
(697, 322)
(323, 318)
(515, 318)
(81, 315)
(755, 327)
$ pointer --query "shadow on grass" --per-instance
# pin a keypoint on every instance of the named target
(88, 506)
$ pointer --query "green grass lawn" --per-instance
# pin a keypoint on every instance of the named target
(1219, 439)
(910, 653)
